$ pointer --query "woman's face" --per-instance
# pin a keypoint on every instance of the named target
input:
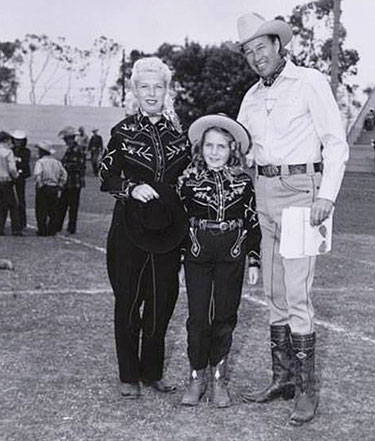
(215, 150)
(150, 90)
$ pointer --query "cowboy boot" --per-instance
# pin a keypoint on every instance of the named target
(282, 360)
(220, 396)
(196, 389)
(307, 398)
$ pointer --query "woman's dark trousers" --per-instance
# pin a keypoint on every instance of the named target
(140, 278)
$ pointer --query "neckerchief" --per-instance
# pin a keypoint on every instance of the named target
(267, 82)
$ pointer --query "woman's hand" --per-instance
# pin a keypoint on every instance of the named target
(253, 275)
(144, 193)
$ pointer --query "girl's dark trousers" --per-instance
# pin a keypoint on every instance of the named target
(137, 278)
(214, 271)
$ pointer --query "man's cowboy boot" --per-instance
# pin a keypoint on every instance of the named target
(196, 388)
(282, 368)
(306, 400)
(130, 391)
(220, 396)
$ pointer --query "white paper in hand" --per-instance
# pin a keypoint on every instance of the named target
(299, 238)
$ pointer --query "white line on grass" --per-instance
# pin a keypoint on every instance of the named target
(323, 323)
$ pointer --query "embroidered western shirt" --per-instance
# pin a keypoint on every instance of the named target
(222, 196)
(290, 121)
(141, 152)
(74, 162)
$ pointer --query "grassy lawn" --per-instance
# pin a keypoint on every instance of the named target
(58, 372)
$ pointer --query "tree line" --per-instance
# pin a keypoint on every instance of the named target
(206, 78)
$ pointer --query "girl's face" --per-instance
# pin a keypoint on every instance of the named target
(215, 150)
(150, 90)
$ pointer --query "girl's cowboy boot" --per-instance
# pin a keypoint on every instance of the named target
(220, 395)
(196, 388)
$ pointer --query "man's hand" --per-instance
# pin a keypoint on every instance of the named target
(144, 193)
(320, 210)
(253, 275)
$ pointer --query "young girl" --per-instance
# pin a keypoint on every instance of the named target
(219, 198)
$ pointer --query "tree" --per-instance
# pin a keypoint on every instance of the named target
(106, 50)
(51, 63)
(10, 59)
(207, 79)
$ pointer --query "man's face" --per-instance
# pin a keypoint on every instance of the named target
(69, 140)
(262, 54)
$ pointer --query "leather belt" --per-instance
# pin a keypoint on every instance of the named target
(207, 224)
(271, 170)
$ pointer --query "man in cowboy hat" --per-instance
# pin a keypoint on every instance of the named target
(8, 173)
(74, 161)
(291, 113)
(50, 177)
(96, 149)
(22, 155)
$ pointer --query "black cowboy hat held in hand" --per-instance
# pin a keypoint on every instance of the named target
(159, 225)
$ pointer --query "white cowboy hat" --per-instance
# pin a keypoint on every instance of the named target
(237, 130)
(67, 131)
(19, 134)
(251, 26)
(46, 146)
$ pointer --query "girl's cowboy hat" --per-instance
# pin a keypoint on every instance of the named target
(237, 130)
(251, 26)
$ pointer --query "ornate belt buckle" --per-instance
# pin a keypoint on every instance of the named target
(271, 170)
(224, 226)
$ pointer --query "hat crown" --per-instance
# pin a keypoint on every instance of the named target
(155, 215)
(248, 25)
(19, 134)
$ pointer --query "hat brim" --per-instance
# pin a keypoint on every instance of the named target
(157, 242)
(238, 131)
(273, 27)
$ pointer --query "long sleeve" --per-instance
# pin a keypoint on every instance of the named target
(253, 228)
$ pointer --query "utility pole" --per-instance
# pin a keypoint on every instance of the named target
(335, 46)
(123, 68)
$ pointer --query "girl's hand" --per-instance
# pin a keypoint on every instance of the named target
(253, 275)
(144, 193)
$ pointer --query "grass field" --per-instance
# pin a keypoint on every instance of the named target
(58, 372)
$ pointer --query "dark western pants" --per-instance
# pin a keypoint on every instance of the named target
(139, 278)
(46, 201)
(8, 202)
(214, 270)
(69, 200)
(20, 185)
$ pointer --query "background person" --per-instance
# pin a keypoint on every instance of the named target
(50, 177)
(220, 202)
(8, 173)
(96, 149)
(74, 162)
(290, 113)
(146, 149)
(22, 155)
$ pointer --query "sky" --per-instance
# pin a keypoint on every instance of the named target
(145, 24)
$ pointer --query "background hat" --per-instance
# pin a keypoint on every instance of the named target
(46, 146)
(251, 26)
(67, 131)
(19, 134)
(159, 225)
(238, 131)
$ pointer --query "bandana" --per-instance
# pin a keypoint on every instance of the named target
(267, 82)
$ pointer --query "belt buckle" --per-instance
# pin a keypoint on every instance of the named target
(270, 170)
(223, 226)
